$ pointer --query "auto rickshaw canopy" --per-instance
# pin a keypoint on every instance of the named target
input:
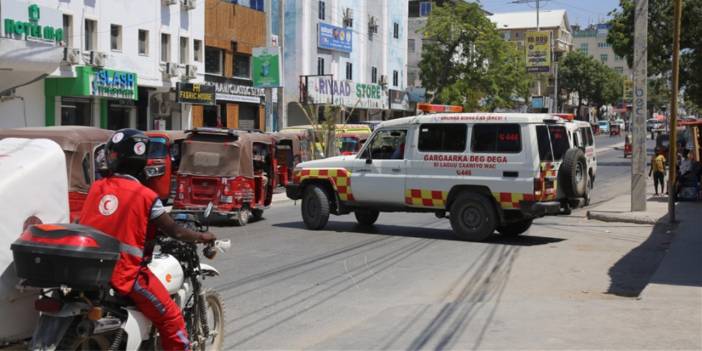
(78, 144)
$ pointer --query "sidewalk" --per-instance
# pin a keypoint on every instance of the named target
(678, 277)
(618, 210)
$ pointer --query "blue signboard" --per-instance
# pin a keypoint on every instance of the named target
(334, 38)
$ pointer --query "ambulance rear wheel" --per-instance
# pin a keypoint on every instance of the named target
(315, 207)
(472, 216)
(516, 228)
(366, 217)
(257, 215)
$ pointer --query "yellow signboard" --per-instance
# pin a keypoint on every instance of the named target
(538, 51)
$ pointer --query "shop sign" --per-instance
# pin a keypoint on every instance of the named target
(31, 29)
(538, 51)
(198, 94)
(226, 90)
(113, 84)
(266, 67)
(399, 100)
(334, 38)
(324, 90)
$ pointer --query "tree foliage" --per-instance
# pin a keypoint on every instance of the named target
(466, 62)
(660, 41)
(591, 80)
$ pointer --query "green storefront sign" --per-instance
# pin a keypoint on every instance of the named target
(31, 29)
(90, 81)
(266, 67)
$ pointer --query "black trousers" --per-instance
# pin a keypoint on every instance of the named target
(658, 178)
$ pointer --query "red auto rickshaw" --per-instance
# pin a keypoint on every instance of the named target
(83, 147)
(164, 160)
(627, 146)
(288, 154)
(233, 169)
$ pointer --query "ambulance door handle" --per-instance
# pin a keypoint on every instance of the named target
(396, 170)
(510, 174)
(363, 170)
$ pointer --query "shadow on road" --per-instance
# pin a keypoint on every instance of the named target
(613, 164)
(630, 275)
(424, 233)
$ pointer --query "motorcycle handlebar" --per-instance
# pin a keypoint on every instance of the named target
(211, 249)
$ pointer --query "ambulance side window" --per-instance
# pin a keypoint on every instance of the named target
(442, 137)
(497, 138)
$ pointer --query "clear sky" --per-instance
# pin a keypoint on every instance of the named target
(581, 12)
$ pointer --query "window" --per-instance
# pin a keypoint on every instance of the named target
(396, 30)
(349, 71)
(500, 138)
(618, 58)
(603, 58)
(588, 136)
(320, 66)
(213, 60)
(603, 45)
(410, 46)
(544, 141)
(424, 8)
(143, 42)
(395, 78)
(387, 145)
(584, 47)
(184, 50)
(197, 50)
(507, 35)
(115, 37)
(90, 35)
(442, 137)
(322, 10)
(411, 77)
(257, 5)
(374, 75)
(165, 47)
(619, 70)
(242, 66)
(559, 141)
(68, 30)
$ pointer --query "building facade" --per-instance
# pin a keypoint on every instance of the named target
(232, 31)
(514, 27)
(120, 67)
(345, 53)
(593, 42)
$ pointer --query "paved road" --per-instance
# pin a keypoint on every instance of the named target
(407, 283)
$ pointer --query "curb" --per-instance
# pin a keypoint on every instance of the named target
(622, 217)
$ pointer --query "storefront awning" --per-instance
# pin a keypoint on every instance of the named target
(24, 61)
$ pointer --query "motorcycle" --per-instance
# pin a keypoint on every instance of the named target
(84, 313)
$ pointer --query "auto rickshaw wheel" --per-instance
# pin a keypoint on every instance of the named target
(256, 214)
(241, 217)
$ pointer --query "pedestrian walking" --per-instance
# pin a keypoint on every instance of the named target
(658, 170)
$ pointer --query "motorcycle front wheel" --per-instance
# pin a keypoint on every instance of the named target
(215, 322)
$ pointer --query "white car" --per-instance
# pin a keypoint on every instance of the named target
(488, 171)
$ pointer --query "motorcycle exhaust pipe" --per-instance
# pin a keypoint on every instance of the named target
(106, 324)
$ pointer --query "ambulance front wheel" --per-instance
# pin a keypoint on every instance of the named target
(315, 207)
(472, 216)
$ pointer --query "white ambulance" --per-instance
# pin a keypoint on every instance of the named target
(485, 171)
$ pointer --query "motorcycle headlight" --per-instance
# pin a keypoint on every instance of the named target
(155, 171)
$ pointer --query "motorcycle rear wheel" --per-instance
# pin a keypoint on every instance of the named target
(71, 341)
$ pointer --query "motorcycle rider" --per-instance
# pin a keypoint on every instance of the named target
(121, 206)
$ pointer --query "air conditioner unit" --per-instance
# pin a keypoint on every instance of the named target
(170, 2)
(190, 71)
(71, 56)
(98, 59)
(372, 25)
(171, 69)
(383, 80)
(348, 17)
(189, 4)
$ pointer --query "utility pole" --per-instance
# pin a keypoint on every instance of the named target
(268, 91)
(674, 111)
(282, 114)
(638, 125)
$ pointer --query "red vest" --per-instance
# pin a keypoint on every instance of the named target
(121, 207)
